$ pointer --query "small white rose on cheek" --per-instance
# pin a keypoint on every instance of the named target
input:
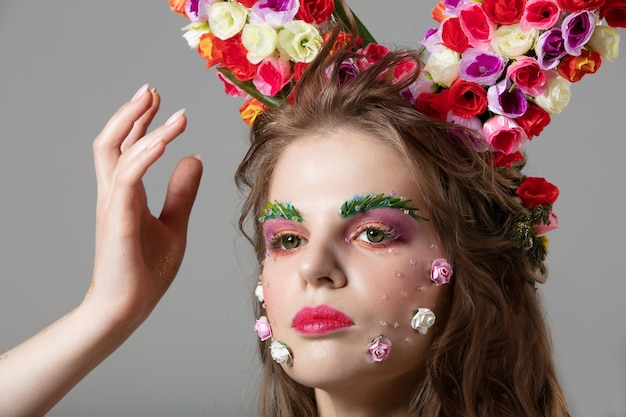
(258, 291)
(423, 320)
(280, 352)
(440, 271)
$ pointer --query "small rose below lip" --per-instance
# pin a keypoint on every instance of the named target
(320, 319)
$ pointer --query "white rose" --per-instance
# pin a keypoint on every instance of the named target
(227, 19)
(443, 66)
(605, 41)
(510, 41)
(258, 291)
(280, 352)
(193, 33)
(260, 39)
(423, 320)
(300, 41)
(556, 97)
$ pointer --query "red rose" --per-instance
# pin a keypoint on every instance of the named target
(535, 191)
(534, 120)
(452, 35)
(315, 11)
(504, 12)
(574, 68)
(501, 159)
(467, 99)
(614, 12)
(298, 70)
(234, 59)
(247, 3)
(434, 105)
(579, 5)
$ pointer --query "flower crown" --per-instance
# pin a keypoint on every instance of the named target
(500, 67)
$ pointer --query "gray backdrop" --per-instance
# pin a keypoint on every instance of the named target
(67, 65)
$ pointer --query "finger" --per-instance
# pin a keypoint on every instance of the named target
(140, 127)
(134, 162)
(181, 194)
(106, 146)
(167, 132)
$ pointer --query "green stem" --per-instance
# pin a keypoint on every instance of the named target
(249, 88)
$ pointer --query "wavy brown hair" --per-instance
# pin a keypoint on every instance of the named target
(493, 355)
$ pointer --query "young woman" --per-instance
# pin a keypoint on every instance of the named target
(366, 198)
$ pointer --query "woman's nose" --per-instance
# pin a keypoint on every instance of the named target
(319, 265)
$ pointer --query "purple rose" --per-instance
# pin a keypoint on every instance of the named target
(440, 271)
(507, 100)
(577, 30)
(484, 68)
(379, 349)
(274, 12)
(550, 48)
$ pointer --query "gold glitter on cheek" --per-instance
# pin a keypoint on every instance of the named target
(396, 325)
(2, 357)
(383, 323)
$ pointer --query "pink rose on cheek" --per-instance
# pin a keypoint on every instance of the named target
(262, 328)
(440, 271)
(272, 75)
(379, 349)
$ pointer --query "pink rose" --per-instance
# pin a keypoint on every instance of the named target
(272, 75)
(379, 349)
(503, 134)
(262, 328)
(540, 14)
(477, 26)
(230, 88)
(440, 271)
(526, 73)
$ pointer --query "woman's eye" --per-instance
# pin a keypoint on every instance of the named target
(372, 235)
(287, 241)
(377, 235)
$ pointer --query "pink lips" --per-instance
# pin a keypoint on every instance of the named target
(319, 320)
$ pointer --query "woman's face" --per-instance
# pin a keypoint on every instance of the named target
(333, 282)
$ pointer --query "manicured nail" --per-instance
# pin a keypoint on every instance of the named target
(142, 90)
(197, 156)
(174, 117)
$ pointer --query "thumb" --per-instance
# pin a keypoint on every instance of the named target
(181, 194)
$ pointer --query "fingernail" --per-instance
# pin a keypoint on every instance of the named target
(197, 156)
(142, 90)
(174, 117)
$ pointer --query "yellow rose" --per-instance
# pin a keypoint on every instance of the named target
(510, 41)
(227, 19)
(605, 41)
(300, 41)
(443, 66)
(260, 39)
(556, 97)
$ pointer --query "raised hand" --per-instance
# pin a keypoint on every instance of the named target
(138, 254)
(137, 257)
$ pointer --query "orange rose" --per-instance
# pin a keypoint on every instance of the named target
(178, 6)
(250, 110)
(234, 59)
(439, 12)
(536, 191)
(209, 49)
(574, 68)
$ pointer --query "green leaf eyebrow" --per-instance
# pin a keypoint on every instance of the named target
(279, 210)
(361, 203)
